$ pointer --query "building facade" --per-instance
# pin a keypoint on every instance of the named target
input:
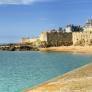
(43, 36)
(82, 38)
(56, 38)
(85, 37)
(68, 29)
(25, 40)
(88, 25)
(28, 40)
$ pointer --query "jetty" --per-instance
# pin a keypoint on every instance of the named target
(79, 80)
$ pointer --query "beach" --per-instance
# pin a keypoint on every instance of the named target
(78, 80)
(80, 49)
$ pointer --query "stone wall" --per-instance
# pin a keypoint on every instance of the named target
(57, 38)
(43, 36)
(82, 38)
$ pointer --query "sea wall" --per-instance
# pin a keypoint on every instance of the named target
(79, 80)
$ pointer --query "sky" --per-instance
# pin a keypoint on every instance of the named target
(28, 18)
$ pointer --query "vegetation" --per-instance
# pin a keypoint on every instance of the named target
(76, 28)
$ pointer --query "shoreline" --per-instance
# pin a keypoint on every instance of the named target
(76, 49)
(79, 80)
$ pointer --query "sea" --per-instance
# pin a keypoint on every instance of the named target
(22, 70)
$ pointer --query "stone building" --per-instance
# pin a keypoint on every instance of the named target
(28, 40)
(85, 37)
(25, 40)
(88, 25)
(56, 38)
(43, 36)
(68, 28)
(82, 38)
(71, 35)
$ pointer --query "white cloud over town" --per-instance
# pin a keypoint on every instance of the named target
(21, 1)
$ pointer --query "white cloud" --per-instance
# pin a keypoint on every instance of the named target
(21, 1)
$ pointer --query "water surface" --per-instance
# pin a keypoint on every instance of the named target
(21, 70)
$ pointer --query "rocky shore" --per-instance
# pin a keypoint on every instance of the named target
(17, 47)
(26, 47)
(79, 80)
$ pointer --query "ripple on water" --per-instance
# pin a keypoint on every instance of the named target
(19, 70)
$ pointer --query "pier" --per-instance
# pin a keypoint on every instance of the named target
(79, 80)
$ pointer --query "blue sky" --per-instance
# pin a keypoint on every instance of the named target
(27, 18)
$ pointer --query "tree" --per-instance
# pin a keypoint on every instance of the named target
(60, 29)
(76, 28)
(53, 30)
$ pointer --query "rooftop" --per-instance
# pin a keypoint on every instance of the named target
(89, 23)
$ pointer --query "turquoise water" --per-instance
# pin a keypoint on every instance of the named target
(21, 70)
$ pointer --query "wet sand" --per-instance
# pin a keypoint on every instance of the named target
(79, 80)
(80, 49)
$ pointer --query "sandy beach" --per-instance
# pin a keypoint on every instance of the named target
(80, 49)
(79, 80)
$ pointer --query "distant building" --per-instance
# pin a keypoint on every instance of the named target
(88, 25)
(85, 37)
(56, 38)
(43, 36)
(28, 40)
(68, 28)
(25, 40)
(71, 35)
(82, 38)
